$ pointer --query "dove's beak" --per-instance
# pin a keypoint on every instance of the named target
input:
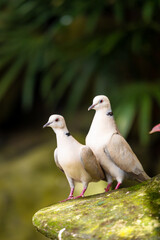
(91, 107)
(47, 124)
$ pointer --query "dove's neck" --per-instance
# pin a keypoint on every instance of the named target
(62, 135)
(103, 121)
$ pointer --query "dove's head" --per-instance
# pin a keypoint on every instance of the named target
(100, 102)
(55, 121)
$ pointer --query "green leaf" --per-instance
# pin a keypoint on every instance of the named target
(92, 22)
(111, 41)
(66, 79)
(119, 11)
(46, 83)
(136, 42)
(80, 85)
(148, 11)
(10, 76)
(125, 115)
(155, 91)
(144, 118)
(30, 80)
(5, 60)
(63, 83)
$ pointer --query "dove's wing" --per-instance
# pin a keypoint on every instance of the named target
(122, 155)
(90, 163)
(56, 159)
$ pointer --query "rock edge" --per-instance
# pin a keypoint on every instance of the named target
(128, 213)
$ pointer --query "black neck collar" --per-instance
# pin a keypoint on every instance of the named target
(109, 113)
(68, 134)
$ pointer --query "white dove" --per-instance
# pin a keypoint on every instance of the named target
(110, 148)
(77, 161)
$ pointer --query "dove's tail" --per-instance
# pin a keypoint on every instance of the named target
(142, 177)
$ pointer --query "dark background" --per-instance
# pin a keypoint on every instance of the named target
(55, 56)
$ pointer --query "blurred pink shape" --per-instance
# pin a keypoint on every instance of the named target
(155, 129)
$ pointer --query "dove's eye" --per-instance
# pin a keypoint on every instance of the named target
(101, 101)
(57, 119)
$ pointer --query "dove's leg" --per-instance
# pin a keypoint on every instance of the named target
(85, 185)
(118, 184)
(120, 179)
(71, 192)
(108, 187)
(109, 180)
(71, 184)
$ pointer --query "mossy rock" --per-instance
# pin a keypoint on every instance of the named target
(128, 213)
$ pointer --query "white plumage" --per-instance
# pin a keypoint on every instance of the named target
(110, 148)
(77, 161)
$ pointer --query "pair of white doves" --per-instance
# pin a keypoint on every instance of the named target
(106, 155)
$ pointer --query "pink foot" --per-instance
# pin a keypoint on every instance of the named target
(78, 196)
(69, 198)
(108, 187)
(82, 194)
(118, 184)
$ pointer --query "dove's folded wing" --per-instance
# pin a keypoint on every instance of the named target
(90, 164)
(122, 155)
(56, 159)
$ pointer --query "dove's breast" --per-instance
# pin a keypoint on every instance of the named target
(98, 143)
(69, 159)
(96, 139)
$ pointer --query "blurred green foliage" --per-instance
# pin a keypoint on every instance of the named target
(61, 49)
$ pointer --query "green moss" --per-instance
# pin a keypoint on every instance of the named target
(130, 213)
